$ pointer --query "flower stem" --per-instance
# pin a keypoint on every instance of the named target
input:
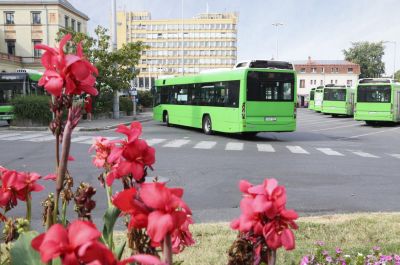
(271, 256)
(62, 169)
(167, 249)
(109, 195)
(28, 208)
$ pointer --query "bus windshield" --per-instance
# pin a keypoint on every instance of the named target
(374, 93)
(338, 94)
(270, 86)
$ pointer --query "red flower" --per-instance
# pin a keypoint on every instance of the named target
(128, 203)
(72, 71)
(11, 183)
(95, 253)
(277, 233)
(65, 243)
(169, 213)
(132, 156)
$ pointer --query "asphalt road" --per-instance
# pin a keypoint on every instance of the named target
(329, 165)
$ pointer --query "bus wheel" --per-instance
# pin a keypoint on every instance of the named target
(370, 123)
(9, 122)
(207, 125)
(166, 118)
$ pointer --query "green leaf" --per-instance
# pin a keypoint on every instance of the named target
(21, 251)
(120, 250)
(110, 217)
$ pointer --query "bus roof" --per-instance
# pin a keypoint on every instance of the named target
(226, 75)
(376, 81)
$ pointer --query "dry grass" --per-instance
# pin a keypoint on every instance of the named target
(353, 233)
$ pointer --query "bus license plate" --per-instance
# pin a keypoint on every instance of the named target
(270, 119)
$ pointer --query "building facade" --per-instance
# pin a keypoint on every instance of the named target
(179, 46)
(25, 23)
(314, 73)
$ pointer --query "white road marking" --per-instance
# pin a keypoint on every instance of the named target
(81, 138)
(329, 152)
(321, 122)
(91, 141)
(364, 154)
(265, 148)
(232, 146)
(22, 137)
(41, 139)
(205, 145)
(176, 143)
(337, 127)
(296, 149)
(366, 134)
(154, 141)
(8, 135)
(396, 155)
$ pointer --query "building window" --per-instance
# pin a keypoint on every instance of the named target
(66, 19)
(323, 70)
(335, 82)
(311, 82)
(9, 18)
(313, 70)
(349, 82)
(36, 18)
(10, 47)
(302, 70)
(332, 80)
(73, 24)
(350, 70)
(79, 26)
(322, 81)
(36, 52)
(302, 83)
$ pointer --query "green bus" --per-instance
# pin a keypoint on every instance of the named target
(23, 82)
(311, 102)
(338, 100)
(318, 98)
(259, 97)
(377, 100)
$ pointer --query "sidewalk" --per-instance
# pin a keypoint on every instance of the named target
(95, 125)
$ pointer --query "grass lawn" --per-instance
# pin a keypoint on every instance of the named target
(353, 233)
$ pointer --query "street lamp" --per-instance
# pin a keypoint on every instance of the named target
(276, 25)
(394, 57)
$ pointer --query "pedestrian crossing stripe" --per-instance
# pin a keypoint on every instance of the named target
(200, 145)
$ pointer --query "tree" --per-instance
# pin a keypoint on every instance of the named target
(369, 56)
(397, 75)
(116, 68)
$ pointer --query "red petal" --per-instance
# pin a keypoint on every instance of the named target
(64, 41)
(244, 186)
(71, 158)
(155, 195)
(54, 86)
(288, 241)
(37, 241)
(79, 70)
(124, 200)
(142, 259)
(289, 214)
(159, 225)
(261, 203)
(50, 177)
(80, 232)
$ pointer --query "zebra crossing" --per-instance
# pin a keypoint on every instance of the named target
(232, 146)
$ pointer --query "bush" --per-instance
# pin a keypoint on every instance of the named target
(125, 104)
(103, 103)
(34, 108)
(145, 99)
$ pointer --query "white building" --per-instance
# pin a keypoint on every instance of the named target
(314, 73)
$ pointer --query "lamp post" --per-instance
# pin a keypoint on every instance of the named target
(276, 25)
(394, 56)
(114, 48)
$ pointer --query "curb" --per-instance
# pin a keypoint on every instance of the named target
(78, 129)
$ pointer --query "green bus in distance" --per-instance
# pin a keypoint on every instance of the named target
(377, 100)
(259, 96)
(318, 98)
(311, 100)
(23, 82)
(338, 100)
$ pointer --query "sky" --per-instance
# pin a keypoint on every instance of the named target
(320, 29)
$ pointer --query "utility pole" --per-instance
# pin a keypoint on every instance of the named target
(276, 25)
(114, 48)
(182, 58)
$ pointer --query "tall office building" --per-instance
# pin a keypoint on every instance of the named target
(25, 23)
(179, 46)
